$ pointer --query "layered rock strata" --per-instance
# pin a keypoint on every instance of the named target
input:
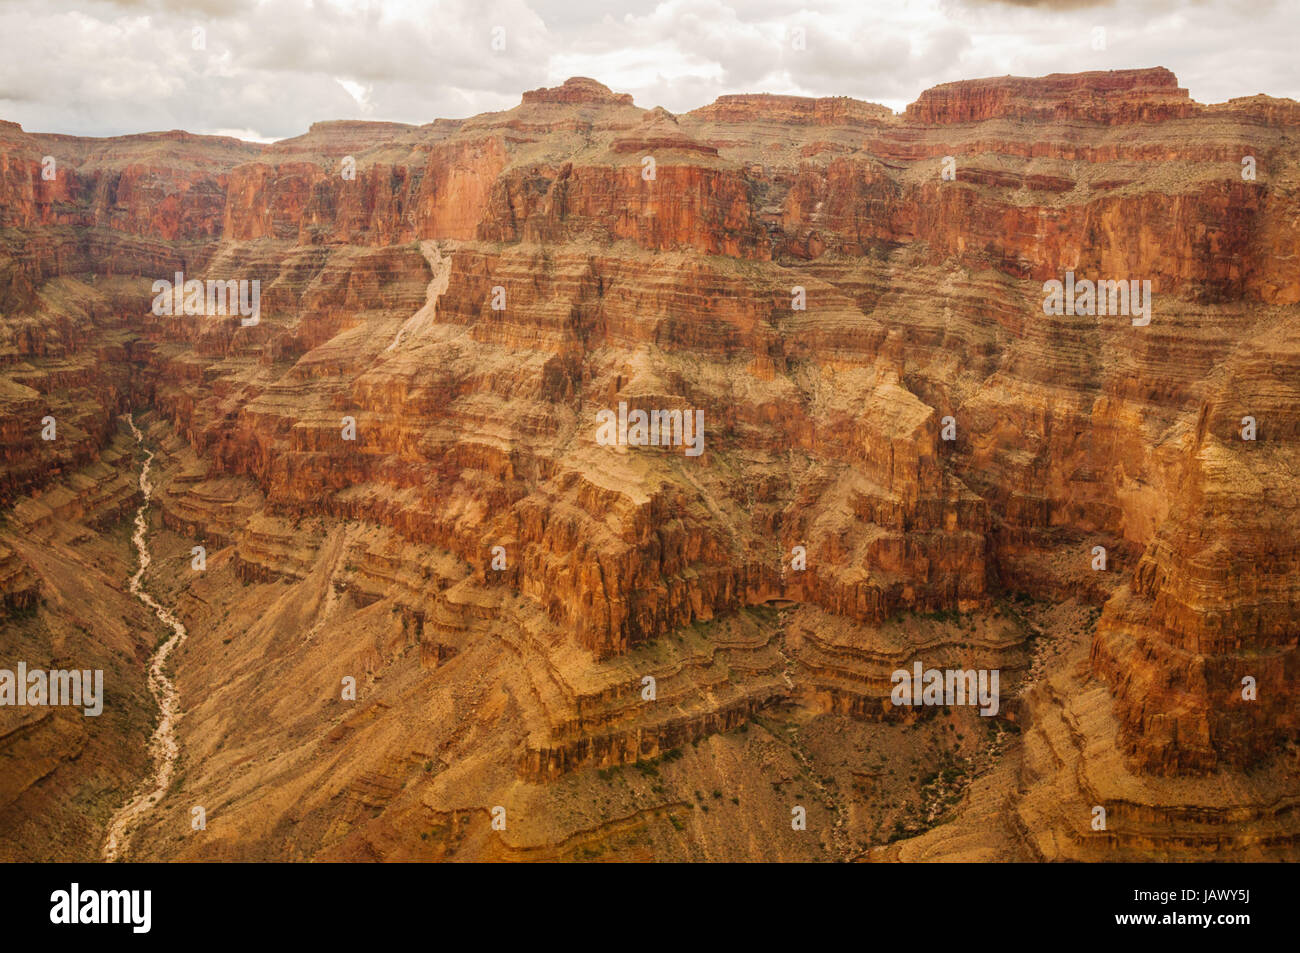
(398, 462)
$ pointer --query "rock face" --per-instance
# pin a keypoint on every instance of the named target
(1203, 641)
(398, 474)
(793, 110)
(577, 91)
(1116, 96)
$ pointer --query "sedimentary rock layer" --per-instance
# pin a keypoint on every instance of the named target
(405, 440)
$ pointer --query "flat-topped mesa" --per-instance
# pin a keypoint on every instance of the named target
(794, 110)
(340, 134)
(1271, 110)
(1114, 96)
(577, 90)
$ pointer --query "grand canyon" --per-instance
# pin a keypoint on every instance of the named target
(398, 601)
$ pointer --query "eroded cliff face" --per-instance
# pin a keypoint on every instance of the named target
(897, 439)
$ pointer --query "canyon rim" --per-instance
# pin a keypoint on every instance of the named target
(431, 613)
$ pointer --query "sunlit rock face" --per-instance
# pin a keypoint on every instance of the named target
(397, 474)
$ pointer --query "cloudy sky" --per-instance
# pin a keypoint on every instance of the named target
(266, 69)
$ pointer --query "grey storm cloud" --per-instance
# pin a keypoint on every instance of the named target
(268, 69)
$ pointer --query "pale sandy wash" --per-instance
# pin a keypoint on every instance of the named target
(163, 747)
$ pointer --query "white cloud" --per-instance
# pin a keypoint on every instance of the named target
(99, 67)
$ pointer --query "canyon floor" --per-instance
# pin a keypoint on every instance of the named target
(430, 614)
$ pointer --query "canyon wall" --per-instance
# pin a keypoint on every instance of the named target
(860, 320)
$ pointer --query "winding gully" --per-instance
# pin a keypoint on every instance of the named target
(163, 748)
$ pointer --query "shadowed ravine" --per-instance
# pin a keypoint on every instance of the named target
(163, 749)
